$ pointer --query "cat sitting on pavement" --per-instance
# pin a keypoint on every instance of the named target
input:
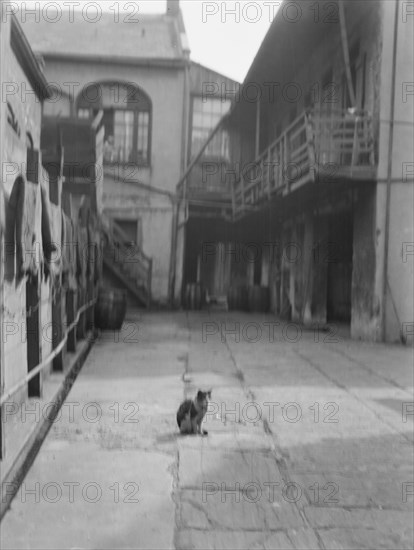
(191, 413)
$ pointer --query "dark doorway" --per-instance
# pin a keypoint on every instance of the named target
(339, 258)
(33, 333)
(130, 230)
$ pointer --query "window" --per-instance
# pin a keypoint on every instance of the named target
(206, 114)
(126, 117)
(132, 231)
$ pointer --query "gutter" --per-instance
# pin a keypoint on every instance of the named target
(176, 206)
(167, 63)
(27, 60)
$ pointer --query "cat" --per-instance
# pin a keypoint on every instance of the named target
(190, 413)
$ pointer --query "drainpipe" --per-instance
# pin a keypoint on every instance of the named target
(176, 203)
(389, 178)
(345, 51)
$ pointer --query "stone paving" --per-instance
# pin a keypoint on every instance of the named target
(310, 442)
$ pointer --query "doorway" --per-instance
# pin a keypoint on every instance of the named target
(339, 260)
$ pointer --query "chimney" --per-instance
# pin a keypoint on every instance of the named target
(173, 7)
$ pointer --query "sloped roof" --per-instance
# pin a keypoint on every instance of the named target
(144, 37)
(200, 74)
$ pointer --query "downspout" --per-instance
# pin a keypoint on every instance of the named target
(345, 51)
(177, 202)
(389, 178)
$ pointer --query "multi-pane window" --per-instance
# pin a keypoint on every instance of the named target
(206, 114)
(126, 117)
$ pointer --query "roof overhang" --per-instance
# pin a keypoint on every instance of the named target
(27, 60)
(175, 63)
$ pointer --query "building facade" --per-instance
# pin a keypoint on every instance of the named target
(135, 72)
(327, 157)
(321, 158)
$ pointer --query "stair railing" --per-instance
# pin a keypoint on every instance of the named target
(131, 259)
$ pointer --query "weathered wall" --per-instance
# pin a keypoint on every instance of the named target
(398, 279)
(27, 111)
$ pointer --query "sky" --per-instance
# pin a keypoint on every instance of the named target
(223, 35)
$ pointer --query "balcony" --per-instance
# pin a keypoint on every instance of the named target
(207, 188)
(315, 147)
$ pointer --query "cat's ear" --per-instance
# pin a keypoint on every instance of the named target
(209, 394)
(200, 395)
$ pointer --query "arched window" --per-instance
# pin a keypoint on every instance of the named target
(127, 120)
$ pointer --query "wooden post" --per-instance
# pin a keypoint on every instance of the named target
(257, 129)
(149, 283)
(80, 329)
(311, 146)
(242, 190)
(70, 316)
(268, 156)
(90, 313)
(286, 162)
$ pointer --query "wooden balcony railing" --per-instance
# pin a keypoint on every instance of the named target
(314, 146)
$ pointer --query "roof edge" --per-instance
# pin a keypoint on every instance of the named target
(27, 59)
(168, 63)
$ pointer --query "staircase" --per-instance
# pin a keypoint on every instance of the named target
(127, 262)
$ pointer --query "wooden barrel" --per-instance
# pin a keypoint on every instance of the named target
(110, 308)
(258, 299)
